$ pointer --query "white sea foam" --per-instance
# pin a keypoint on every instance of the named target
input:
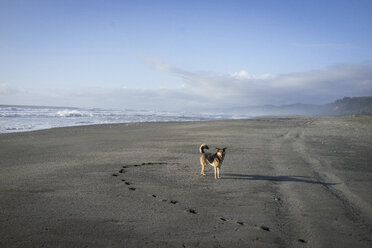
(28, 118)
(74, 113)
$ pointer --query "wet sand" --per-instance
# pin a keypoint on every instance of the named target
(286, 182)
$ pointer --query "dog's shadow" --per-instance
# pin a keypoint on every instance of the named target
(299, 179)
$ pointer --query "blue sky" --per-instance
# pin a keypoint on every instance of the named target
(179, 55)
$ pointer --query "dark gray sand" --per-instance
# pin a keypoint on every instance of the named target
(286, 182)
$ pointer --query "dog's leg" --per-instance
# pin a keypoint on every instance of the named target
(215, 172)
(203, 164)
(218, 172)
(202, 170)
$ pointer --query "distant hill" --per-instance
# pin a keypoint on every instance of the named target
(350, 106)
(345, 106)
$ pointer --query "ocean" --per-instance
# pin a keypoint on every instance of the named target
(14, 118)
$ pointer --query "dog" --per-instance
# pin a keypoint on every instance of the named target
(215, 159)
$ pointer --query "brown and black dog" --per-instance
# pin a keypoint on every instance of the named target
(215, 159)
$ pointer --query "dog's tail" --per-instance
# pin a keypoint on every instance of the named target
(202, 147)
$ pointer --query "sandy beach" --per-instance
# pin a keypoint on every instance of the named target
(286, 182)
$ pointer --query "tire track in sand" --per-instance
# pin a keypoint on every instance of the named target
(290, 148)
(322, 171)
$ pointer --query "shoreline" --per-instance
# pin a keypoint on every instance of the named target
(231, 119)
(286, 181)
(28, 118)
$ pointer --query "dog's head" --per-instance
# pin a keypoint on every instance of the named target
(221, 152)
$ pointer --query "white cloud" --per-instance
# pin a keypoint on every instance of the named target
(243, 74)
(163, 67)
(6, 90)
(204, 92)
(3, 89)
(317, 86)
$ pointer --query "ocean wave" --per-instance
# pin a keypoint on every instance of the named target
(27, 118)
(17, 128)
(74, 113)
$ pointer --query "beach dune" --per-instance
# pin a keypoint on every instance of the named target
(285, 182)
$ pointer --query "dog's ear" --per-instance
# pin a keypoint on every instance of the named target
(224, 148)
